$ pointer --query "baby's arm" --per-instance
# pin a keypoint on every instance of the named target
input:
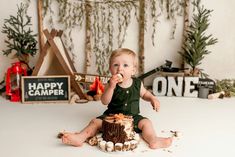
(107, 95)
(109, 89)
(147, 96)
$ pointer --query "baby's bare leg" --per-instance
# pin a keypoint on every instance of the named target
(77, 139)
(150, 136)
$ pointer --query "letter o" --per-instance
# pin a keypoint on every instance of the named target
(159, 86)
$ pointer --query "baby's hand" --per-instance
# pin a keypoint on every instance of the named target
(156, 104)
(114, 80)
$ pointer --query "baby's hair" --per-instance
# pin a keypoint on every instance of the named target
(121, 51)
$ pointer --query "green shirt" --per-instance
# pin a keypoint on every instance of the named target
(125, 100)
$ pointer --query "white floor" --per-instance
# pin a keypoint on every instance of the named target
(207, 127)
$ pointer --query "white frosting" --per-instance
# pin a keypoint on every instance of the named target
(102, 145)
(118, 147)
(109, 146)
(133, 144)
(126, 146)
(128, 129)
(136, 137)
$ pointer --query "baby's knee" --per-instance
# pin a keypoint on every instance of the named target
(95, 121)
(144, 122)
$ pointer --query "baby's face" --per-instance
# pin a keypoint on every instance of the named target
(123, 64)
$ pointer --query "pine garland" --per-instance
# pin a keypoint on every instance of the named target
(109, 20)
(172, 9)
(226, 85)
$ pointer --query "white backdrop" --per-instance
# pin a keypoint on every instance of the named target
(219, 64)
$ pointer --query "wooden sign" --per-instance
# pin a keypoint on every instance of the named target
(88, 78)
(45, 88)
(175, 86)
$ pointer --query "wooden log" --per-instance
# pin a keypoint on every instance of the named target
(141, 36)
(113, 132)
(40, 25)
(186, 25)
(88, 36)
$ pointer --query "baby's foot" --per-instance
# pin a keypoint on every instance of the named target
(74, 139)
(160, 142)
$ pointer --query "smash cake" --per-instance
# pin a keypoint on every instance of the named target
(117, 128)
(118, 134)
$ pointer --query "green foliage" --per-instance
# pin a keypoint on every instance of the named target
(226, 85)
(172, 9)
(109, 21)
(20, 39)
(196, 41)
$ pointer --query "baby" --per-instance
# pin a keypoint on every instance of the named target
(122, 95)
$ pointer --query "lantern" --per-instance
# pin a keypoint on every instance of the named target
(13, 77)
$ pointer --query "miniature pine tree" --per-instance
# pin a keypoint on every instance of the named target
(196, 41)
(20, 40)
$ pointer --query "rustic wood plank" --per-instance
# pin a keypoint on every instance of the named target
(42, 55)
(55, 49)
(40, 25)
(88, 37)
(51, 44)
(186, 25)
(141, 37)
